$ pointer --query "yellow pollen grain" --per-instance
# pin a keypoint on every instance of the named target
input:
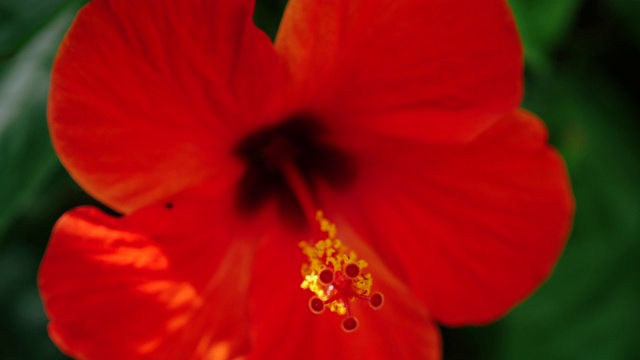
(333, 254)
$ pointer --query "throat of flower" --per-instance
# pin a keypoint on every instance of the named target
(334, 273)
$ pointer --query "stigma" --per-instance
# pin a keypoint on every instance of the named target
(336, 276)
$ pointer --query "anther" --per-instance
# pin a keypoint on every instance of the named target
(352, 270)
(316, 305)
(350, 324)
(326, 276)
(376, 300)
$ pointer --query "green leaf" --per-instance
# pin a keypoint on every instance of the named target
(22, 20)
(543, 25)
(27, 159)
(627, 13)
(267, 15)
(588, 307)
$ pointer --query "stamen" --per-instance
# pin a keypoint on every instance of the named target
(336, 276)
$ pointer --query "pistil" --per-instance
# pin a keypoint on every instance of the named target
(301, 191)
(334, 273)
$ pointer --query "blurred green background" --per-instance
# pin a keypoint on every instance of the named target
(583, 78)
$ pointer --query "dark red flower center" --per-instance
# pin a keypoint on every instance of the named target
(300, 141)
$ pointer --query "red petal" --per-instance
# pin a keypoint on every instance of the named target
(285, 327)
(434, 70)
(113, 289)
(473, 228)
(146, 96)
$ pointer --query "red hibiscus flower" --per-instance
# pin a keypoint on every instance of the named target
(440, 200)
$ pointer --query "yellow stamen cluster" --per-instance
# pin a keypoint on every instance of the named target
(331, 253)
